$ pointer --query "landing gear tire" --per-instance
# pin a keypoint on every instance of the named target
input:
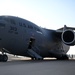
(37, 58)
(64, 57)
(3, 58)
(32, 58)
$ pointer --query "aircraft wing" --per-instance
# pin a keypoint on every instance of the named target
(65, 28)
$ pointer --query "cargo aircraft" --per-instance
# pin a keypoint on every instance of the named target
(22, 37)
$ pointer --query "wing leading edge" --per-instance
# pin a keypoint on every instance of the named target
(65, 28)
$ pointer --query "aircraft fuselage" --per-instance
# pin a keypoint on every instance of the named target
(17, 36)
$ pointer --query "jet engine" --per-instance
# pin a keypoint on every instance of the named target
(68, 37)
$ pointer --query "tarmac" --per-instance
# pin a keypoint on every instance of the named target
(33, 67)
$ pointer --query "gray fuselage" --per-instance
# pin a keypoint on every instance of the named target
(17, 33)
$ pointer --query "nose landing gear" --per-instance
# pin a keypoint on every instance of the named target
(3, 58)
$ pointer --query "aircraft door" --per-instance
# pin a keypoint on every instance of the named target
(31, 43)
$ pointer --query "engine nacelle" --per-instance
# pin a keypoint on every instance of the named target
(68, 37)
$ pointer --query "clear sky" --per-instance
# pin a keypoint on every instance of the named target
(52, 14)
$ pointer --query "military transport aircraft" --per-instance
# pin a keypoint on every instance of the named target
(22, 37)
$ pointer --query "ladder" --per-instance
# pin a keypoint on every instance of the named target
(33, 54)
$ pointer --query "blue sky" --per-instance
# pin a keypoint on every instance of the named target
(46, 13)
(52, 14)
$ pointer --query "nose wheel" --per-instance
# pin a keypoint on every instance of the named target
(3, 58)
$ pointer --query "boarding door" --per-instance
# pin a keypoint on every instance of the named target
(31, 43)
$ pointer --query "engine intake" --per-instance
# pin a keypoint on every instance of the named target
(68, 37)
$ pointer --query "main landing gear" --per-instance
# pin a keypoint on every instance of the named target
(64, 57)
(36, 58)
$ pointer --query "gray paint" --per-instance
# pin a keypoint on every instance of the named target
(16, 34)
